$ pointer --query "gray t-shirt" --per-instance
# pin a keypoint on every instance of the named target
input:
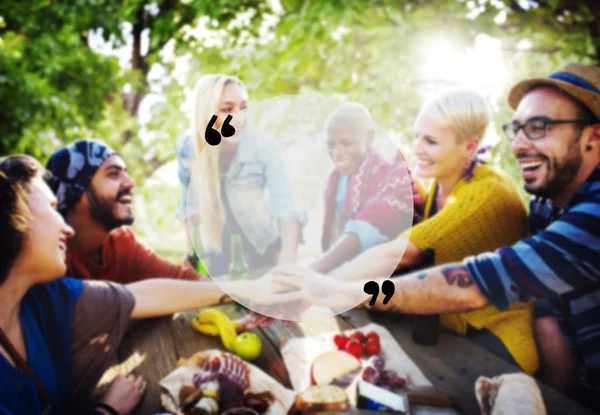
(101, 318)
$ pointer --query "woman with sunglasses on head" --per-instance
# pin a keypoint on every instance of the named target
(58, 335)
(470, 208)
(239, 186)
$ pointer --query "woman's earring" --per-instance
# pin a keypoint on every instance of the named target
(588, 147)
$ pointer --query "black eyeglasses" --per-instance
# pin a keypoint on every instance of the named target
(537, 127)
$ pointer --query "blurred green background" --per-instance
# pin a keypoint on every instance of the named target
(121, 71)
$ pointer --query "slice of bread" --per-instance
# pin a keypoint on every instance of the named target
(323, 398)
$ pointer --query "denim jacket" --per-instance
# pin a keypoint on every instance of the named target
(258, 187)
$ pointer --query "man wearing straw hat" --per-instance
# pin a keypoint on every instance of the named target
(555, 136)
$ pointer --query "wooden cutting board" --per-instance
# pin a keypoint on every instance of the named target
(299, 353)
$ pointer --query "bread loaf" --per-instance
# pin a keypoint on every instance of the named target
(514, 393)
(323, 398)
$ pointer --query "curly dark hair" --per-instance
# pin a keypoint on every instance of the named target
(16, 174)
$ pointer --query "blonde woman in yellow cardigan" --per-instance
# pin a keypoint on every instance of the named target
(470, 209)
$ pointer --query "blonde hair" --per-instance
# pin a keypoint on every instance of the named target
(205, 100)
(464, 111)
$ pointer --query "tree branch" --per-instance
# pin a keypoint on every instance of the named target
(155, 163)
(137, 60)
(138, 63)
(547, 51)
(514, 6)
(388, 17)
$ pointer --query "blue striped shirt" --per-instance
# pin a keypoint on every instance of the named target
(561, 262)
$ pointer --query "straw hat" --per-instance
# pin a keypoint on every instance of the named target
(582, 82)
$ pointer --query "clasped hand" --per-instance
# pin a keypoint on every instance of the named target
(293, 283)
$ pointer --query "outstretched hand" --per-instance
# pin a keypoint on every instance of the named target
(263, 291)
(254, 320)
(259, 319)
(316, 288)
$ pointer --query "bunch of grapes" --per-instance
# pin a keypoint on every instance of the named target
(374, 373)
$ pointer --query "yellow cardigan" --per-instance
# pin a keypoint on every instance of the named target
(479, 216)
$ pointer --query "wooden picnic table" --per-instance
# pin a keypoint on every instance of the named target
(153, 349)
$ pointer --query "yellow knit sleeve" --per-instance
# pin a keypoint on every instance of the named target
(481, 215)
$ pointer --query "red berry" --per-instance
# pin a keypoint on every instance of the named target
(340, 340)
(357, 335)
(386, 376)
(377, 362)
(373, 335)
(397, 382)
(354, 348)
(391, 379)
(372, 347)
(370, 375)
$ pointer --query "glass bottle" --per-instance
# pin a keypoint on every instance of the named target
(238, 269)
(196, 263)
(426, 328)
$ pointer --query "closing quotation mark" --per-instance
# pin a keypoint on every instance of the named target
(213, 137)
(372, 288)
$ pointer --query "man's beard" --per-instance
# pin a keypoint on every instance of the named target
(101, 210)
(560, 173)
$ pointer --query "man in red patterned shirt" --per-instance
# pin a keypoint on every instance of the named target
(95, 196)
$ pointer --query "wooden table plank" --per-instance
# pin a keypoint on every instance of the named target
(149, 350)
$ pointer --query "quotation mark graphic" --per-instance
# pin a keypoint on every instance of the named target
(372, 288)
(213, 137)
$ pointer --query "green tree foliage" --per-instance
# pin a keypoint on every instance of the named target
(49, 85)
(55, 88)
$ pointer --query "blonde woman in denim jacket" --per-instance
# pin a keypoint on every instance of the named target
(240, 186)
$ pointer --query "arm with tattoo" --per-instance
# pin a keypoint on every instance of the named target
(441, 289)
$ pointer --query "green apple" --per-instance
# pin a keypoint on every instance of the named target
(248, 346)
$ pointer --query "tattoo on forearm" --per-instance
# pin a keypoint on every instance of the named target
(458, 274)
(422, 276)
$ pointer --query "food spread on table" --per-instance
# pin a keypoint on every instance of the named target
(219, 383)
(358, 369)
(376, 386)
